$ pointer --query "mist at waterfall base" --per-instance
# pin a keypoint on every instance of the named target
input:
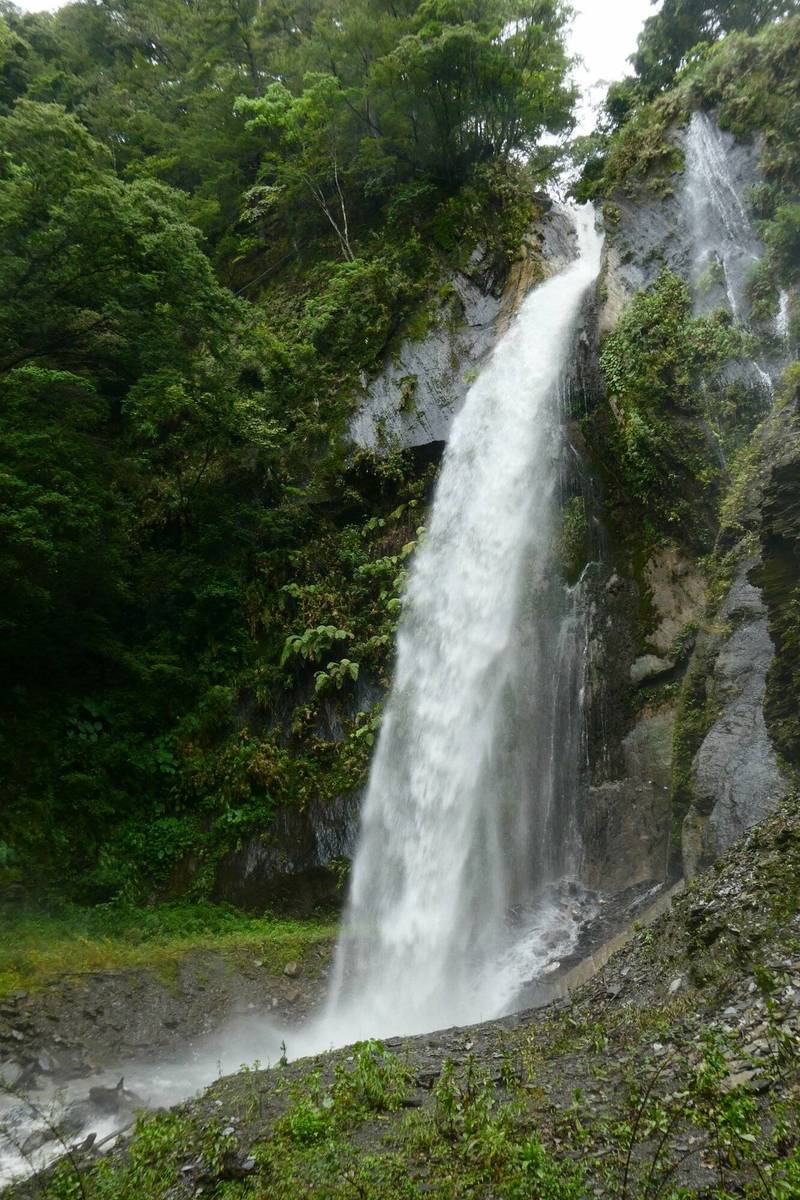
(460, 890)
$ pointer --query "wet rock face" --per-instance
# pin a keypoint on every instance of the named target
(677, 592)
(413, 400)
(779, 578)
(294, 864)
(736, 777)
(626, 821)
(648, 233)
(627, 812)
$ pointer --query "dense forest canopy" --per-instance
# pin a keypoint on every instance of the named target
(679, 26)
(214, 216)
(217, 219)
(385, 94)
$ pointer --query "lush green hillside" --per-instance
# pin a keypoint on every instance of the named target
(214, 217)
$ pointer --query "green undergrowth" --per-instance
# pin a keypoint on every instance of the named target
(628, 1090)
(39, 948)
(656, 441)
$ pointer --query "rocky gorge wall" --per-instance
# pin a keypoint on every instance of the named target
(413, 399)
(691, 717)
(691, 756)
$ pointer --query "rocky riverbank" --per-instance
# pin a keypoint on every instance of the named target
(677, 1066)
(77, 1026)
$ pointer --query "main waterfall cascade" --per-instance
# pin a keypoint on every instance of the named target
(469, 812)
(463, 882)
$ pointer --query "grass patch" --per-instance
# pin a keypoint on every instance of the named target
(39, 947)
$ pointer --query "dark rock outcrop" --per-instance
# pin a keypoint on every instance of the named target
(736, 777)
(298, 863)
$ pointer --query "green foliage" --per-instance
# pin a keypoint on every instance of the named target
(337, 673)
(571, 541)
(442, 93)
(40, 947)
(659, 366)
(782, 236)
(669, 38)
(643, 152)
(375, 1083)
(311, 643)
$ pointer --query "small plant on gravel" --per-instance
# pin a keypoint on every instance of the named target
(307, 1122)
(377, 1082)
(708, 1127)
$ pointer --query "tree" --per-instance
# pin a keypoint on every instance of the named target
(680, 25)
(475, 80)
(305, 152)
(124, 422)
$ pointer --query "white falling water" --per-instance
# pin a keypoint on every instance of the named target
(464, 818)
(782, 320)
(726, 247)
(469, 812)
(725, 244)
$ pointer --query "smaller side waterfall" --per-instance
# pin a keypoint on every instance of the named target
(725, 245)
(468, 812)
(782, 318)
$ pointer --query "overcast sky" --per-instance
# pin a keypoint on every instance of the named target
(604, 34)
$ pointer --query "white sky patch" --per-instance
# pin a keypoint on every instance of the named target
(604, 34)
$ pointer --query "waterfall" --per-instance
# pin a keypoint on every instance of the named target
(726, 247)
(463, 883)
(469, 811)
(782, 321)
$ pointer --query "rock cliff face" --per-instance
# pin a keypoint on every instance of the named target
(735, 773)
(701, 706)
(741, 769)
(298, 864)
(413, 400)
(691, 718)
